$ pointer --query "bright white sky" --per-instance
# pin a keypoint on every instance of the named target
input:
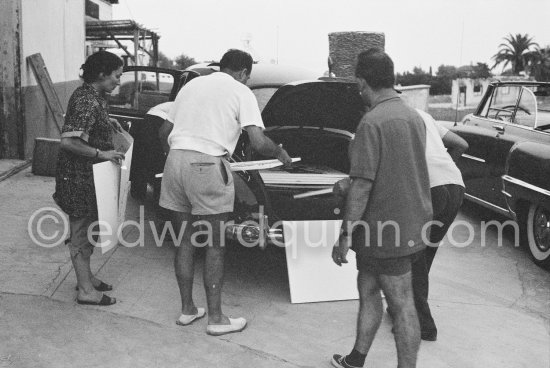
(418, 32)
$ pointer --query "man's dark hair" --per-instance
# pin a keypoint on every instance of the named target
(100, 62)
(236, 60)
(376, 68)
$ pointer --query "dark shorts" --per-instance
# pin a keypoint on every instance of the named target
(385, 266)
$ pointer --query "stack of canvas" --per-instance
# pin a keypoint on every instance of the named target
(302, 176)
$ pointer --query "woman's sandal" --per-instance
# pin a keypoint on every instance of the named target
(101, 287)
(105, 300)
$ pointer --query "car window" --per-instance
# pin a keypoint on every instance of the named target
(263, 95)
(502, 103)
(141, 90)
(527, 109)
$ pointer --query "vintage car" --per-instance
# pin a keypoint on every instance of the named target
(313, 119)
(507, 165)
(142, 88)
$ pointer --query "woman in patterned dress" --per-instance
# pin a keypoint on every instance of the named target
(86, 139)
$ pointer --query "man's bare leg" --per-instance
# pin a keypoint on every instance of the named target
(399, 295)
(370, 311)
(184, 264)
(214, 269)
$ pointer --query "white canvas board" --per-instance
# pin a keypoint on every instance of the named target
(112, 187)
(107, 185)
(258, 165)
(124, 184)
(122, 141)
(312, 275)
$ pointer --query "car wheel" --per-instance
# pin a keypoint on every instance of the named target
(538, 234)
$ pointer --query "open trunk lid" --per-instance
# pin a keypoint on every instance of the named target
(323, 104)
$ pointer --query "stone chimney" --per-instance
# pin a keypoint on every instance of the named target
(344, 48)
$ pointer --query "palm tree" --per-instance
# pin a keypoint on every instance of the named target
(517, 50)
(539, 64)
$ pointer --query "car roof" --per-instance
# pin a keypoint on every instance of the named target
(264, 75)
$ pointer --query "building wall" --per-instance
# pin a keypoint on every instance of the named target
(469, 91)
(56, 30)
(416, 96)
(11, 108)
(105, 9)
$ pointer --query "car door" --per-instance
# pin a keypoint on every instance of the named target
(479, 164)
(520, 128)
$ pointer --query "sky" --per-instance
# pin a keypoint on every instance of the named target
(420, 33)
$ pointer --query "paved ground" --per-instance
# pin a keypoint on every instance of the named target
(492, 305)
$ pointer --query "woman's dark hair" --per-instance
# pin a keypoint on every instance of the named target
(376, 68)
(100, 62)
(236, 60)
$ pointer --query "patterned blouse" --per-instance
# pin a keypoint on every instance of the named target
(87, 118)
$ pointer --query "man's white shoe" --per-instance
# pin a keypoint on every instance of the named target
(236, 325)
(186, 319)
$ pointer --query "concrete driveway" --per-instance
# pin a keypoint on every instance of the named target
(491, 305)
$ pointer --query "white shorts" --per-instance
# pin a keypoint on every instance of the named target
(197, 183)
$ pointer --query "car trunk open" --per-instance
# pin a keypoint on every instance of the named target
(314, 121)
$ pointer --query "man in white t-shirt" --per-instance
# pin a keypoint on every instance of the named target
(443, 148)
(204, 125)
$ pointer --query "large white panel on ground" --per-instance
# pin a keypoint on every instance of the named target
(312, 275)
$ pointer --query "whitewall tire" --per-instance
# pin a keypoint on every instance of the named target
(538, 234)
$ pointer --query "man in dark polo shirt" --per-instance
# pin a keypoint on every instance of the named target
(387, 206)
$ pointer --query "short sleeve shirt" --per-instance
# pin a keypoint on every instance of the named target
(209, 114)
(87, 118)
(441, 166)
(389, 150)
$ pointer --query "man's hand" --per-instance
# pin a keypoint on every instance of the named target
(284, 157)
(341, 188)
(340, 249)
(265, 146)
(113, 156)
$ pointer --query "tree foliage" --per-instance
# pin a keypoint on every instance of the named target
(183, 61)
(441, 83)
(517, 50)
(539, 64)
(165, 61)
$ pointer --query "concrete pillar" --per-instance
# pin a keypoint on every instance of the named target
(12, 127)
(345, 46)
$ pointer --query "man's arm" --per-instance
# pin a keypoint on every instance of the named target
(164, 131)
(356, 204)
(455, 145)
(265, 146)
